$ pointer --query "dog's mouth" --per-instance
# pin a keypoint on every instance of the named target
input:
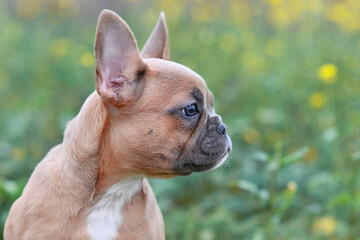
(188, 164)
(192, 166)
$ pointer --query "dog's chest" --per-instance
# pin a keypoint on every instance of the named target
(105, 216)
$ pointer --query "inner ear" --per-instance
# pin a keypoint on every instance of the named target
(118, 61)
(157, 46)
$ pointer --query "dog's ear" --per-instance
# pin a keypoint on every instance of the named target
(157, 46)
(119, 66)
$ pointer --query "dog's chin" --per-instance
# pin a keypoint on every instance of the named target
(221, 162)
(189, 168)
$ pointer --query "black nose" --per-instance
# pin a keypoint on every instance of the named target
(221, 129)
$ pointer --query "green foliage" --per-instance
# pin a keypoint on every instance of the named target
(285, 75)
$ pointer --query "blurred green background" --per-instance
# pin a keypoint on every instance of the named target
(285, 74)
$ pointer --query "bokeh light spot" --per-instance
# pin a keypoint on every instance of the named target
(317, 100)
(325, 225)
(327, 73)
(87, 60)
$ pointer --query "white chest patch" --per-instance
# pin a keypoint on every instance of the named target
(105, 217)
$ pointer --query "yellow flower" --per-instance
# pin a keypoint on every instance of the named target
(317, 100)
(29, 9)
(292, 186)
(285, 12)
(274, 2)
(65, 4)
(206, 12)
(239, 12)
(345, 14)
(87, 60)
(311, 155)
(253, 62)
(274, 136)
(17, 154)
(325, 225)
(251, 135)
(327, 73)
(173, 8)
(59, 47)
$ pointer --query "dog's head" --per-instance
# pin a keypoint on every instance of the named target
(161, 119)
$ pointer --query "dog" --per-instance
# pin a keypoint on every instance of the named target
(149, 117)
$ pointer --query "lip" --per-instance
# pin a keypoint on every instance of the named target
(199, 167)
(229, 143)
(221, 161)
(191, 167)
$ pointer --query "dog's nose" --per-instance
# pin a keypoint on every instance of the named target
(221, 129)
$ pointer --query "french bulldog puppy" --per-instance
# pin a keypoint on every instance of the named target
(149, 117)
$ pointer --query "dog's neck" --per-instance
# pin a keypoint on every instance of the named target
(86, 138)
(83, 133)
(84, 141)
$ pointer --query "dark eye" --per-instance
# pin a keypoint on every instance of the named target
(190, 110)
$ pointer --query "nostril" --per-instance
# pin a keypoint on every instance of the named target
(221, 129)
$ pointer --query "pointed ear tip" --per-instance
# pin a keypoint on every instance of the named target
(162, 16)
(162, 22)
(108, 15)
(105, 12)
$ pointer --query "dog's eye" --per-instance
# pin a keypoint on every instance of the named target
(190, 110)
